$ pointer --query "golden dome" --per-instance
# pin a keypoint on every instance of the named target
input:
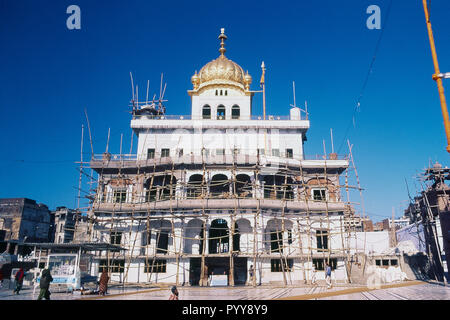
(221, 71)
(222, 68)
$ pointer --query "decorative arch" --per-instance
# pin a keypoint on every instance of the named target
(321, 189)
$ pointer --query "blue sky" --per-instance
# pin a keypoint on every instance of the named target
(50, 74)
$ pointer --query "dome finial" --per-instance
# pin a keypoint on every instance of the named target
(222, 39)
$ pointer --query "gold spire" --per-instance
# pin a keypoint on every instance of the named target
(221, 71)
(222, 39)
(263, 67)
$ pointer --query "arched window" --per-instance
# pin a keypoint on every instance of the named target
(219, 186)
(221, 92)
(195, 187)
(160, 188)
(226, 92)
(221, 112)
(277, 187)
(218, 236)
(235, 112)
(216, 92)
(206, 112)
(243, 186)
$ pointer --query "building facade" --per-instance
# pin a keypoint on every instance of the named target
(220, 192)
(64, 225)
(429, 212)
(24, 220)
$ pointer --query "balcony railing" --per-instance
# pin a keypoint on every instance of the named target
(330, 156)
(114, 157)
(190, 117)
(134, 157)
(260, 194)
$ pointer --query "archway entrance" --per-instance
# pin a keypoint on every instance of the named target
(218, 237)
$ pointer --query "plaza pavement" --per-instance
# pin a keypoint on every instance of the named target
(410, 290)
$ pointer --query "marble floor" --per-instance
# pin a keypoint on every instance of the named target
(400, 291)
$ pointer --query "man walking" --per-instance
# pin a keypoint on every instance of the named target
(46, 278)
(328, 276)
(313, 275)
(19, 281)
(251, 274)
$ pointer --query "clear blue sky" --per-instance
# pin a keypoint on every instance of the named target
(49, 74)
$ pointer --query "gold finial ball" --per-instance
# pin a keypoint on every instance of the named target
(247, 80)
(195, 80)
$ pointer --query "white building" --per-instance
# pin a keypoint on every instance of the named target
(220, 191)
(64, 224)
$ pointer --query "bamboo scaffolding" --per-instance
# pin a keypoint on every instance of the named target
(294, 187)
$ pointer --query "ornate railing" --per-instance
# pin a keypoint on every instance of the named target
(190, 117)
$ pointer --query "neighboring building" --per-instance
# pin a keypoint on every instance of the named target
(64, 224)
(218, 191)
(367, 225)
(83, 230)
(23, 219)
(378, 226)
(430, 213)
(356, 223)
(399, 223)
(386, 223)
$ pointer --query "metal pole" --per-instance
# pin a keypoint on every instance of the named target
(437, 77)
(263, 84)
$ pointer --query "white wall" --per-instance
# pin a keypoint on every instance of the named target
(234, 97)
(247, 140)
(375, 242)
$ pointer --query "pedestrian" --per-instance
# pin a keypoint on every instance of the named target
(328, 276)
(250, 272)
(103, 286)
(19, 280)
(46, 278)
(210, 278)
(174, 295)
(313, 274)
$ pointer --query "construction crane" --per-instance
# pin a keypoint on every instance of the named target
(438, 76)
